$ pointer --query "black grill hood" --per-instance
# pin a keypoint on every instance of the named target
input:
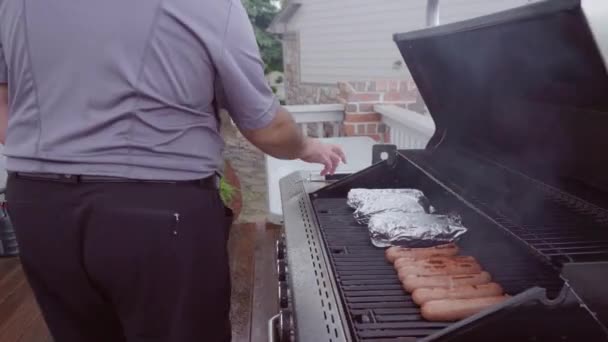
(526, 87)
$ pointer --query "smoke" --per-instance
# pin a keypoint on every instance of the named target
(529, 93)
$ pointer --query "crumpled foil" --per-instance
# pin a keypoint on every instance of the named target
(397, 228)
(358, 196)
(370, 202)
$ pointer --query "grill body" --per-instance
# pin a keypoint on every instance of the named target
(342, 288)
(520, 107)
(506, 245)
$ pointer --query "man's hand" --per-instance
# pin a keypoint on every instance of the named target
(283, 139)
(328, 155)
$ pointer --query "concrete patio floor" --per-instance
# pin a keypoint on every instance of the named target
(249, 165)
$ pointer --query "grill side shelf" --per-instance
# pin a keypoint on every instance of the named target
(316, 309)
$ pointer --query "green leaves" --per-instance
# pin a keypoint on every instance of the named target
(261, 13)
(227, 191)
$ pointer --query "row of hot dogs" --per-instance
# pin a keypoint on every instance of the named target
(448, 287)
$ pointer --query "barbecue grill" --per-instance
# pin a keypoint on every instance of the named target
(520, 102)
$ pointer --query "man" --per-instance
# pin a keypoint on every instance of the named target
(112, 150)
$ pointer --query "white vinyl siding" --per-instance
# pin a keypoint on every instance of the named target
(343, 40)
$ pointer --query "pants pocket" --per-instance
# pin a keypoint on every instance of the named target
(228, 220)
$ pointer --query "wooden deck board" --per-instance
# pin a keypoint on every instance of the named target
(20, 318)
(242, 251)
(265, 291)
(36, 332)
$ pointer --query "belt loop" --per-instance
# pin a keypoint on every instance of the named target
(72, 178)
(217, 179)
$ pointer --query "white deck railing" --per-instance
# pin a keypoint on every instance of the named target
(313, 119)
(407, 129)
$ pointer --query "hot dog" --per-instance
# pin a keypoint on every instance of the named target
(436, 260)
(393, 253)
(424, 295)
(413, 282)
(455, 309)
(453, 268)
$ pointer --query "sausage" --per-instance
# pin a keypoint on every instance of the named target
(413, 282)
(423, 295)
(453, 268)
(393, 253)
(446, 310)
(436, 260)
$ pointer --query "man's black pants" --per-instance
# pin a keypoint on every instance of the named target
(114, 262)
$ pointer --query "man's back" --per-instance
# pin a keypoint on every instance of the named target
(127, 88)
(112, 146)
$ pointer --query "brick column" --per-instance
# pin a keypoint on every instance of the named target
(359, 99)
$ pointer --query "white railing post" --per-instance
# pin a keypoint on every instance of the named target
(304, 127)
(320, 130)
(408, 129)
(319, 115)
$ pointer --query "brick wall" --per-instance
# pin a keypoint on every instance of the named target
(359, 99)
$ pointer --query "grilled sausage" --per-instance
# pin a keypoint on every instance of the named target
(446, 310)
(413, 282)
(423, 295)
(393, 253)
(453, 268)
(436, 260)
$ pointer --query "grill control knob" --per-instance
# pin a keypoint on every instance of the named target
(283, 295)
(282, 270)
(280, 249)
(285, 326)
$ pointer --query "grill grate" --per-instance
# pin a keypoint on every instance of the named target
(377, 306)
(557, 225)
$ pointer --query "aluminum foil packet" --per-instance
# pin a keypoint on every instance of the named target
(358, 196)
(397, 228)
(377, 201)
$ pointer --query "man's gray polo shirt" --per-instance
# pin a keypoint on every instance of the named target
(128, 88)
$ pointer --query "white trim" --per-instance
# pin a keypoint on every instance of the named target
(317, 113)
(423, 124)
(596, 13)
(279, 22)
(407, 129)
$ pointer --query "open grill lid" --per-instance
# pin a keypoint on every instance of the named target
(527, 88)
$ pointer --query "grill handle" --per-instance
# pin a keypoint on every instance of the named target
(272, 332)
(432, 12)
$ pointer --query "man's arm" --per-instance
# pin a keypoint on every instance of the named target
(3, 112)
(242, 89)
(282, 139)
